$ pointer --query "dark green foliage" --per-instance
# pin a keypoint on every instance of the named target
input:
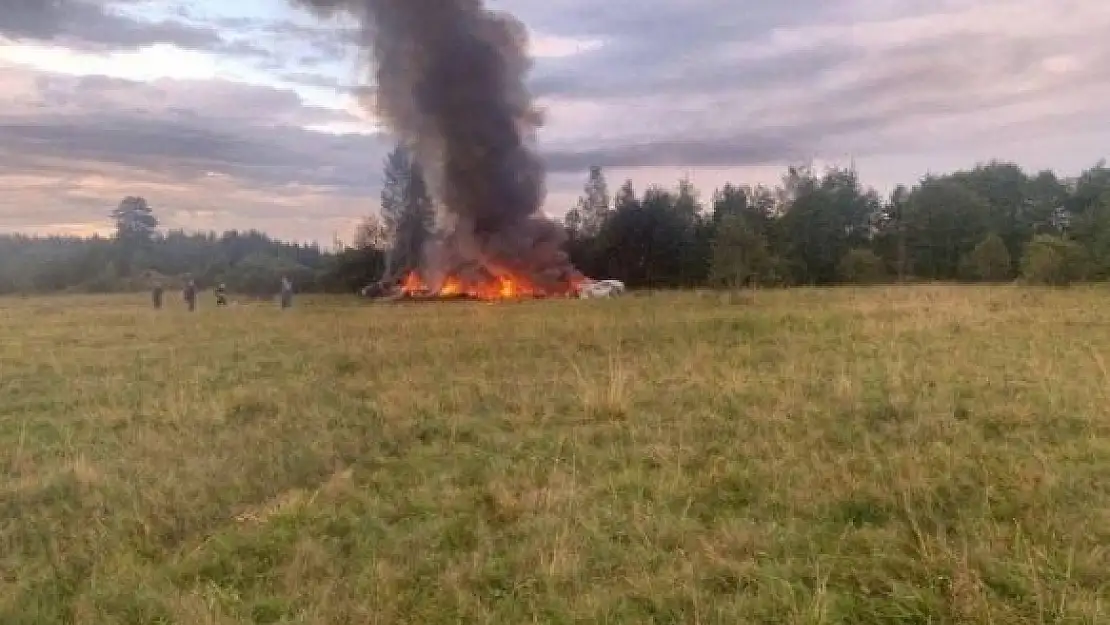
(1053, 261)
(135, 220)
(1091, 228)
(825, 228)
(654, 241)
(989, 261)
(862, 266)
(824, 217)
(1017, 205)
(248, 262)
(944, 220)
(352, 269)
(741, 255)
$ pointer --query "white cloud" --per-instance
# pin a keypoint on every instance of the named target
(554, 47)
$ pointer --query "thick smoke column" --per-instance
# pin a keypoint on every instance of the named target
(449, 80)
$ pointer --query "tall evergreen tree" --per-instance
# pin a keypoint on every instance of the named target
(407, 211)
(135, 220)
(626, 198)
(135, 229)
(594, 206)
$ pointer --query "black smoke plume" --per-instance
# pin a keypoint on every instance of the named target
(448, 79)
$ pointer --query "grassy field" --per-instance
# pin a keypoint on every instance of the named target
(897, 455)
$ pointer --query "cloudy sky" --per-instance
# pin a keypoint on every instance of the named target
(239, 114)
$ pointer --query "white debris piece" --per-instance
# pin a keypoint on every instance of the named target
(593, 289)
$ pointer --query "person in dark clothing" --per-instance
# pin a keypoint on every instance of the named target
(190, 295)
(156, 295)
(221, 295)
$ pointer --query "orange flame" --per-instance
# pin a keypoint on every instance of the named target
(501, 287)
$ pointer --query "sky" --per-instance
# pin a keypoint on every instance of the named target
(243, 114)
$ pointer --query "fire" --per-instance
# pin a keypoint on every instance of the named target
(501, 287)
(412, 283)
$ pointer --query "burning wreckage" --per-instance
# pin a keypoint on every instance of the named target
(448, 81)
(476, 284)
(412, 287)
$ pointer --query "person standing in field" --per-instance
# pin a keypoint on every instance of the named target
(286, 293)
(190, 295)
(221, 295)
(156, 295)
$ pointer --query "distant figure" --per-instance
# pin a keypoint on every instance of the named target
(156, 295)
(190, 295)
(221, 295)
(286, 293)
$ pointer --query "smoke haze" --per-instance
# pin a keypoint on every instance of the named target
(449, 82)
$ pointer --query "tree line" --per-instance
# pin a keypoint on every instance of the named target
(991, 223)
(139, 255)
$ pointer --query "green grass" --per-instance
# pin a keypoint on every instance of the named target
(896, 455)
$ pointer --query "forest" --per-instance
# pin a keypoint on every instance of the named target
(994, 222)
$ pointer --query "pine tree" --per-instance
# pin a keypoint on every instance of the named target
(626, 198)
(135, 220)
(135, 228)
(407, 211)
(594, 206)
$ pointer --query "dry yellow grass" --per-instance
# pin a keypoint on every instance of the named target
(895, 455)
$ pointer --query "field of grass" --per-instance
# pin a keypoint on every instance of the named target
(895, 455)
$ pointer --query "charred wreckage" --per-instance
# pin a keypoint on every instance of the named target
(412, 287)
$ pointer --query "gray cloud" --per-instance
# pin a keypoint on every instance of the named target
(735, 83)
(185, 128)
(276, 156)
(594, 75)
(740, 82)
(99, 25)
(914, 87)
(310, 79)
(209, 152)
(667, 25)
